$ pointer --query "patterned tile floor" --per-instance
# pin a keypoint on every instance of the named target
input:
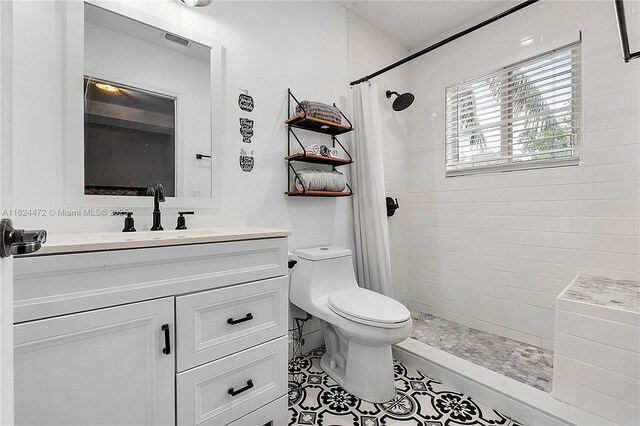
(419, 401)
(525, 363)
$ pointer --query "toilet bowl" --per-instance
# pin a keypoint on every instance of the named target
(359, 325)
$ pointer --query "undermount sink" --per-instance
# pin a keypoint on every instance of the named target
(156, 235)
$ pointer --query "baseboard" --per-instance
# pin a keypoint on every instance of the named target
(512, 398)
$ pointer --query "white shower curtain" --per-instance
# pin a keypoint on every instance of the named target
(369, 208)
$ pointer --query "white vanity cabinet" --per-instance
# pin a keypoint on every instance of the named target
(189, 334)
(104, 366)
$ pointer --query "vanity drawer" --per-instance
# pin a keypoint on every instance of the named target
(47, 286)
(255, 376)
(219, 322)
(273, 414)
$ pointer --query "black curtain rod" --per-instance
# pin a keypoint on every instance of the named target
(446, 40)
(622, 29)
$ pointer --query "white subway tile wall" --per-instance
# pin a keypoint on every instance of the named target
(493, 251)
(597, 360)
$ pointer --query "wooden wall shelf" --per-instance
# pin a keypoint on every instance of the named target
(302, 121)
(317, 194)
(318, 159)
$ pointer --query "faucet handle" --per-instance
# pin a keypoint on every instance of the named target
(128, 221)
(182, 223)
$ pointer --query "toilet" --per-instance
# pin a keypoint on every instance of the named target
(359, 325)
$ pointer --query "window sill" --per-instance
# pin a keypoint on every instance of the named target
(510, 167)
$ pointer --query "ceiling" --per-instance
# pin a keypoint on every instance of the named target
(413, 23)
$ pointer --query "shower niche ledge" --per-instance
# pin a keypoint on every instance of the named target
(316, 125)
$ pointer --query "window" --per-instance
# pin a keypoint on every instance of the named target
(523, 116)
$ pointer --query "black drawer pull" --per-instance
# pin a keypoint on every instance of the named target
(269, 423)
(167, 340)
(239, 391)
(247, 317)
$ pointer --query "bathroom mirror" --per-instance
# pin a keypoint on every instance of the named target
(150, 93)
(147, 109)
(129, 140)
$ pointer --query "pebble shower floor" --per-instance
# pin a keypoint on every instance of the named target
(528, 364)
(316, 399)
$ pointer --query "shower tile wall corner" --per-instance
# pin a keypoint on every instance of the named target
(493, 251)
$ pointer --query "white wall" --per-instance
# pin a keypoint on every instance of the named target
(264, 53)
(492, 251)
(370, 50)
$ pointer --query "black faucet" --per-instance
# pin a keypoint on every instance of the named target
(158, 197)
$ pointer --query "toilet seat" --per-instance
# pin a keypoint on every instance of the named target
(368, 307)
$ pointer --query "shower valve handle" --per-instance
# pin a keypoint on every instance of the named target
(392, 206)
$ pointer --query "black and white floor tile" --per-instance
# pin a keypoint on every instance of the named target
(419, 401)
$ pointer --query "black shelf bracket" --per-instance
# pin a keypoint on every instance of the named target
(297, 178)
(350, 190)
(335, 140)
(291, 95)
(344, 116)
(304, 150)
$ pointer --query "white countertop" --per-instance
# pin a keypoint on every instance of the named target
(83, 242)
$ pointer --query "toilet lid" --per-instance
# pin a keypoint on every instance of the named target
(368, 307)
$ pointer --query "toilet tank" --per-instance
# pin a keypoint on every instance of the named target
(321, 271)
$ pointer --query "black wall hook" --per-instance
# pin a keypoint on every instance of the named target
(392, 206)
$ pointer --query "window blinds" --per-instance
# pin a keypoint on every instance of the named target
(526, 115)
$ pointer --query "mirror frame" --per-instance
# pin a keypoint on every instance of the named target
(73, 109)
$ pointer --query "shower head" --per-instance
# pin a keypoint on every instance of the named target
(402, 101)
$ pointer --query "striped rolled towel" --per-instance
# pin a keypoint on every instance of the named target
(320, 180)
(320, 110)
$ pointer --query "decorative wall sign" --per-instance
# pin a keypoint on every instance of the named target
(245, 102)
(246, 129)
(246, 161)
